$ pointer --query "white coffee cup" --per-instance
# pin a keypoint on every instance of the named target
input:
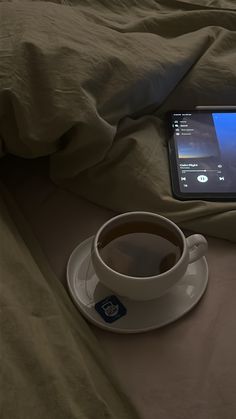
(145, 287)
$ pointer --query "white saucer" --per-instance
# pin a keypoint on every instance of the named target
(140, 316)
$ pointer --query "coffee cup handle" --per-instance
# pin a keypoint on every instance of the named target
(197, 246)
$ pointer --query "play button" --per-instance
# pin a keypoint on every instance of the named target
(202, 178)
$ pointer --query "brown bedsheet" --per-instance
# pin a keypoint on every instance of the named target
(184, 371)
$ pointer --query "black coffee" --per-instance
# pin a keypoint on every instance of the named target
(140, 249)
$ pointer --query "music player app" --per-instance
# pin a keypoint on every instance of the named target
(206, 151)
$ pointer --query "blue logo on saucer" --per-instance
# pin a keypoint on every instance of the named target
(110, 309)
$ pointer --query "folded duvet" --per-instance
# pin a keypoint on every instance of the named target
(88, 83)
(52, 367)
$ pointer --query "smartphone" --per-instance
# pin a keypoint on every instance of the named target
(202, 154)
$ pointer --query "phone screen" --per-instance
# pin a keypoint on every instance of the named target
(205, 147)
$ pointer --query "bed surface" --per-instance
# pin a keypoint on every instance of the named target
(84, 90)
(186, 370)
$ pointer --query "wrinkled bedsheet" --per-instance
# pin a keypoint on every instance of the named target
(88, 82)
(186, 370)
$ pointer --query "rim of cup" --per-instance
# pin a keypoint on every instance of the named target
(126, 215)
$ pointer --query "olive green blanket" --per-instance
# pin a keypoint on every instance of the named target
(88, 82)
(52, 367)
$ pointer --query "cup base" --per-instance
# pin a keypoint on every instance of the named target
(122, 315)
